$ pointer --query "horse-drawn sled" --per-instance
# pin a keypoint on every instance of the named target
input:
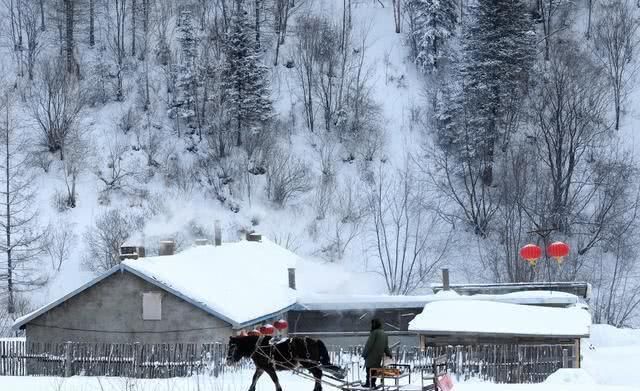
(309, 359)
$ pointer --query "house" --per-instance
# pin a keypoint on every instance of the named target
(203, 294)
(345, 319)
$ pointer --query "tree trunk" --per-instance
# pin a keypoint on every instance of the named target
(42, 26)
(11, 301)
(257, 4)
(69, 43)
(397, 14)
(589, 19)
(133, 28)
(92, 37)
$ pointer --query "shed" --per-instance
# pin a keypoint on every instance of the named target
(510, 330)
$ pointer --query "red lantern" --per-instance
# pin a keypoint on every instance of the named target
(254, 333)
(531, 253)
(281, 324)
(267, 329)
(558, 250)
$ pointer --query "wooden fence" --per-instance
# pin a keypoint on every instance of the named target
(498, 363)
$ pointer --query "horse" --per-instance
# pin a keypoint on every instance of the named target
(290, 354)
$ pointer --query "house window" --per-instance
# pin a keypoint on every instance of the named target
(151, 306)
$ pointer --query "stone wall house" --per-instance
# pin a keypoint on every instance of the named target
(201, 295)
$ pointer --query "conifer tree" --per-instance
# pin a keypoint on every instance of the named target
(245, 79)
(497, 57)
(434, 24)
(187, 80)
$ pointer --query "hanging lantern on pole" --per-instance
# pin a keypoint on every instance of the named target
(531, 253)
(558, 250)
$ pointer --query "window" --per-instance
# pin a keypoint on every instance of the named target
(151, 306)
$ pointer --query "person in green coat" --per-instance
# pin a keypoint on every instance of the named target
(374, 350)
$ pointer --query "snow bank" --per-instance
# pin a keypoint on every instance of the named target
(603, 335)
(241, 281)
(570, 376)
(611, 355)
(485, 317)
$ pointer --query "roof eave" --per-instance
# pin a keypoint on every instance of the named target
(263, 318)
(496, 335)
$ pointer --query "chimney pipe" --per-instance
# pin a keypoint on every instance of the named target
(167, 247)
(445, 279)
(217, 233)
(292, 277)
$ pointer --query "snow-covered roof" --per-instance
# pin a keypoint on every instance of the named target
(479, 317)
(316, 302)
(580, 289)
(547, 298)
(345, 302)
(241, 283)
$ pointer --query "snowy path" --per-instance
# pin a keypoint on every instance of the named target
(240, 382)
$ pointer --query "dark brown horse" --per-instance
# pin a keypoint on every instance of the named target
(288, 354)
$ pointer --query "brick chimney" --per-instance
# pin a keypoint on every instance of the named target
(217, 233)
(167, 247)
(292, 277)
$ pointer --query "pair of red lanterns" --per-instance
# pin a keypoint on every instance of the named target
(267, 329)
(557, 250)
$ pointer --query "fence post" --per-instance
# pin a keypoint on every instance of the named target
(68, 359)
(565, 358)
(136, 353)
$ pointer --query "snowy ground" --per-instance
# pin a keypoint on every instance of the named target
(241, 381)
(610, 363)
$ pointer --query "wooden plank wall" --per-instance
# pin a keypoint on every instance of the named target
(498, 363)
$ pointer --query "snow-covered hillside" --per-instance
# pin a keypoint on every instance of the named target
(316, 124)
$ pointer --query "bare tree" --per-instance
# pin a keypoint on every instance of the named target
(116, 12)
(62, 241)
(55, 105)
(22, 239)
(309, 34)
(615, 41)
(287, 177)
(568, 115)
(103, 240)
(549, 11)
(14, 14)
(33, 33)
(408, 238)
(75, 162)
(114, 172)
(282, 11)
